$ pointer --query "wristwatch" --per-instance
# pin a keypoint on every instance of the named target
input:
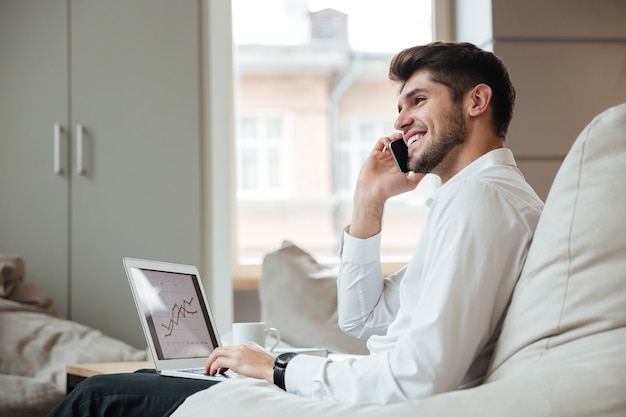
(280, 365)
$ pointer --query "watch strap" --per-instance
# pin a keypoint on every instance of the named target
(280, 366)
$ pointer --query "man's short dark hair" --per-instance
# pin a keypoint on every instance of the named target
(460, 66)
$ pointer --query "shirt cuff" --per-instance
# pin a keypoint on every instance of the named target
(300, 373)
(355, 250)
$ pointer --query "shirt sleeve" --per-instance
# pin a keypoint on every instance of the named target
(449, 301)
(367, 302)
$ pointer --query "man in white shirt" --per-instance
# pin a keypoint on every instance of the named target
(432, 325)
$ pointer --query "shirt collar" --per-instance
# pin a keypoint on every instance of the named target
(500, 156)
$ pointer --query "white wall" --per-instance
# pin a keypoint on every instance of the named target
(567, 59)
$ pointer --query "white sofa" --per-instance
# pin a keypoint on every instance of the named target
(562, 349)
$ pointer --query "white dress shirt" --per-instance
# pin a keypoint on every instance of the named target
(431, 324)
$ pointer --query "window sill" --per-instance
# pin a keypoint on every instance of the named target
(247, 277)
(246, 283)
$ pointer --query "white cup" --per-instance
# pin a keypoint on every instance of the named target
(254, 332)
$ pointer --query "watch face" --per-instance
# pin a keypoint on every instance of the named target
(283, 359)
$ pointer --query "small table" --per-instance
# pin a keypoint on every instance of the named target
(77, 373)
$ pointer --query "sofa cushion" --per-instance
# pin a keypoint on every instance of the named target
(298, 296)
(572, 387)
(573, 284)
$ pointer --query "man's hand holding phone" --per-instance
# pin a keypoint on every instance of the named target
(378, 181)
(400, 153)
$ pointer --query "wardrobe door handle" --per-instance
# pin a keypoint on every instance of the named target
(58, 164)
(81, 169)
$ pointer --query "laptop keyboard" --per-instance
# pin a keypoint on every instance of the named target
(202, 371)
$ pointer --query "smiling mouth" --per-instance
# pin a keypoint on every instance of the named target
(414, 138)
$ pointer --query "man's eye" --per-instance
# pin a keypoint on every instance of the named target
(418, 100)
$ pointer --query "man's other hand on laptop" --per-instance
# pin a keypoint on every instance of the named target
(249, 360)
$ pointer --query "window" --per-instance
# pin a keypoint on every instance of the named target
(353, 145)
(312, 97)
(262, 158)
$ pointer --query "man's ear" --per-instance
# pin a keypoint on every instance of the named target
(479, 99)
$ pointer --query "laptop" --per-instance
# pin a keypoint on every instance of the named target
(175, 317)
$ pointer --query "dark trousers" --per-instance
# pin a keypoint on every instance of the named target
(143, 394)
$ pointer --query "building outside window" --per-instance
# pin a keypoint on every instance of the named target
(353, 145)
(312, 97)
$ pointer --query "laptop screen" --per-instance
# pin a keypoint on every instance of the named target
(175, 312)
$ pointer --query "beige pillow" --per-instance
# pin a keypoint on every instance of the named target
(14, 287)
(299, 297)
(11, 273)
(574, 281)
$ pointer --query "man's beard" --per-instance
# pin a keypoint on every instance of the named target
(452, 135)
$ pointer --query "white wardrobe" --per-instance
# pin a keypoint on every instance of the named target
(100, 147)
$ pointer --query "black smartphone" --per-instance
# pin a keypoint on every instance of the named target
(400, 154)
